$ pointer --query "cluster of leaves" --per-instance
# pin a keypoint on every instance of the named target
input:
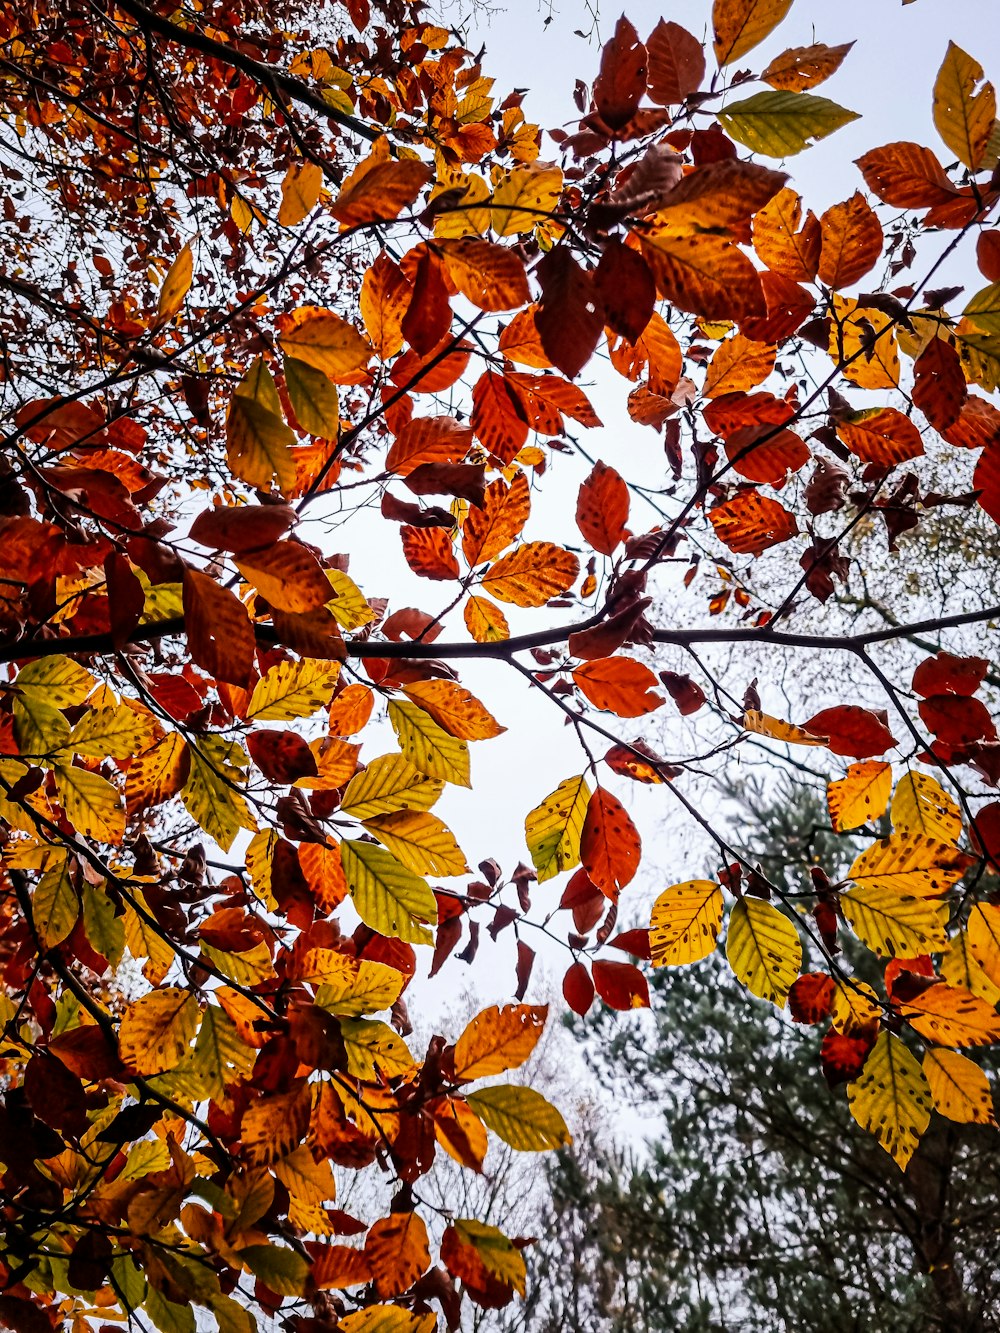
(166, 1142)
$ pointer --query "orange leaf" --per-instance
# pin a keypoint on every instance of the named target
(738, 364)
(804, 67)
(381, 192)
(385, 298)
(397, 1249)
(851, 242)
(853, 731)
(881, 435)
(428, 440)
(520, 341)
(532, 574)
(299, 192)
(618, 685)
(602, 509)
(490, 529)
(705, 274)
(484, 621)
(455, 709)
(749, 523)
(350, 710)
(609, 845)
(429, 552)
(860, 796)
(288, 576)
(656, 349)
(220, 636)
(490, 276)
(906, 176)
(328, 343)
(778, 453)
(324, 874)
(498, 416)
(497, 1040)
(780, 243)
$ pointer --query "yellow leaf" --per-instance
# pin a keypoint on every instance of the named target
(524, 198)
(348, 605)
(176, 284)
(112, 733)
(389, 783)
(58, 681)
(427, 745)
(314, 399)
(104, 930)
(866, 338)
(960, 967)
(497, 1040)
(328, 343)
(891, 1098)
(983, 930)
(356, 986)
(374, 1050)
(387, 1319)
(156, 1031)
(920, 804)
(258, 384)
(454, 708)
(737, 364)
(299, 192)
(554, 828)
(293, 689)
(521, 1117)
(740, 25)
(962, 116)
(302, 1175)
(259, 859)
(420, 840)
(39, 729)
(388, 897)
(55, 904)
(144, 942)
(763, 949)
(855, 1006)
(209, 796)
(860, 796)
(684, 926)
(763, 725)
(952, 1016)
(485, 622)
(531, 575)
(258, 445)
(959, 1088)
(220, 1058)
(470, 215)
(895, 924)
(91, 804)
(909, 863)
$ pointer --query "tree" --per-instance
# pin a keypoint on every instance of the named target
(288, 284)
(759, 1204)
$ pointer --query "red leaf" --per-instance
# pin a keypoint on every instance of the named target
(428, 318)
(602, 509)
(811, 996)
(626, 290)
(429, 553)
(853, 731)
(939, 387)
(621, 82)
(635, 942)
(676, 63)
(610, 846)
(686, 693)
(568, 320)
(957, 719)
(988, 255)
(584, 900)
(843, 1058)
(985, 833)
(947, 674)
(621, 985)
(282, 756)
(241, 528)
(577, 988)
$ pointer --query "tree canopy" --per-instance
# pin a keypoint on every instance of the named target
(296, 299)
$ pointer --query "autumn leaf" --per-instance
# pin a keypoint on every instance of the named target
(498, 1040)
(763, 949)
(891, 1099)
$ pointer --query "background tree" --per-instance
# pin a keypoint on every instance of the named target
(756, 1202)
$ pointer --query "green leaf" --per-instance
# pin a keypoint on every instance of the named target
(282, 1270)
(373, 1048)
(554, 828)
(314, 399)
(55, 905)
(780, 123)
(521, 1117)
(208, 794)
(388, 897)
(258, 445)
(984, 308)
(427, 745)
(57, 680)
(104, 930)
